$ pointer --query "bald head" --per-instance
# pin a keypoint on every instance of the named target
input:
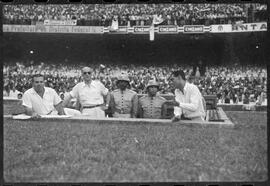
(87, 69)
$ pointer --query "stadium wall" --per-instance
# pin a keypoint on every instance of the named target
(249, 48)
(14, 106)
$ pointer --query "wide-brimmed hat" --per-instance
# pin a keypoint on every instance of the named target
(152, 83)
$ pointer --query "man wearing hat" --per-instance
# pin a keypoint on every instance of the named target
(151, 105)
(123, 101)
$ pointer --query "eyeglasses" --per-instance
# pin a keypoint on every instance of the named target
(39, 81)
(86, 72)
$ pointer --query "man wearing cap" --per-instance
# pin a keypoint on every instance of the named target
(92, 95)
(151, 105)
(188, 102)
(124, 102)
(13, 92)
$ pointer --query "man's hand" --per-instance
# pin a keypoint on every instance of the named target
(175, 103)
(176, 118)
(61, 113)
(104, 107)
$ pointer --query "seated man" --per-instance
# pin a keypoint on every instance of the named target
(13, 92)
(41, 100)
(123, 102)
(151, 105)
(92, 95)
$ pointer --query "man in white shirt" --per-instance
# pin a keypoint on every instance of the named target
(41, 100)
(188, 99)
(92, 95)
(13, 92)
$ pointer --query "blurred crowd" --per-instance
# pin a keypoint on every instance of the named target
(134, 14)
(233, 84)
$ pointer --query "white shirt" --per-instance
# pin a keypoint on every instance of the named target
(41, 106)
(264, 102)
(13, 94)
(89, 95)
(191, 104)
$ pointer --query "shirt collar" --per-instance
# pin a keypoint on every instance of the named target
(124, 91)
(34, 92)
(150, 97)
(185, 87)
(87, 85)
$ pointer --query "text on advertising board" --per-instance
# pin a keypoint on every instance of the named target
(18, 28)
(140, 29)
(87, 29)
(122, 29)
(167, 29)
(249, 27)
(60, 29)
(193, 29)
(60, 22)
(221, 28)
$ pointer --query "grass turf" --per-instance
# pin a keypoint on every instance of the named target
(42, 151)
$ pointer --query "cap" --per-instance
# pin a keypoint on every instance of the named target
(152, 83)
(123, 77)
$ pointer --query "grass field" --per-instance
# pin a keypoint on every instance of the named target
(42, 151)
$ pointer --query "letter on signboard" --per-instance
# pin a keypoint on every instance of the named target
(263, 27)
(244, 27)
(253, 26)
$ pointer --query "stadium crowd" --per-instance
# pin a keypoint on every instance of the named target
(232, 84)
(133, 14)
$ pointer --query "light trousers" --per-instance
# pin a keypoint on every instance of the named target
(96, 112)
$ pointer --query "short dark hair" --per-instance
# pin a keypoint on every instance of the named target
(37, 75)
(178, 73)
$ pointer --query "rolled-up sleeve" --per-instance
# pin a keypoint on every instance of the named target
(104, 90)
(26, 100)
(74, 91)
(56, 98)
